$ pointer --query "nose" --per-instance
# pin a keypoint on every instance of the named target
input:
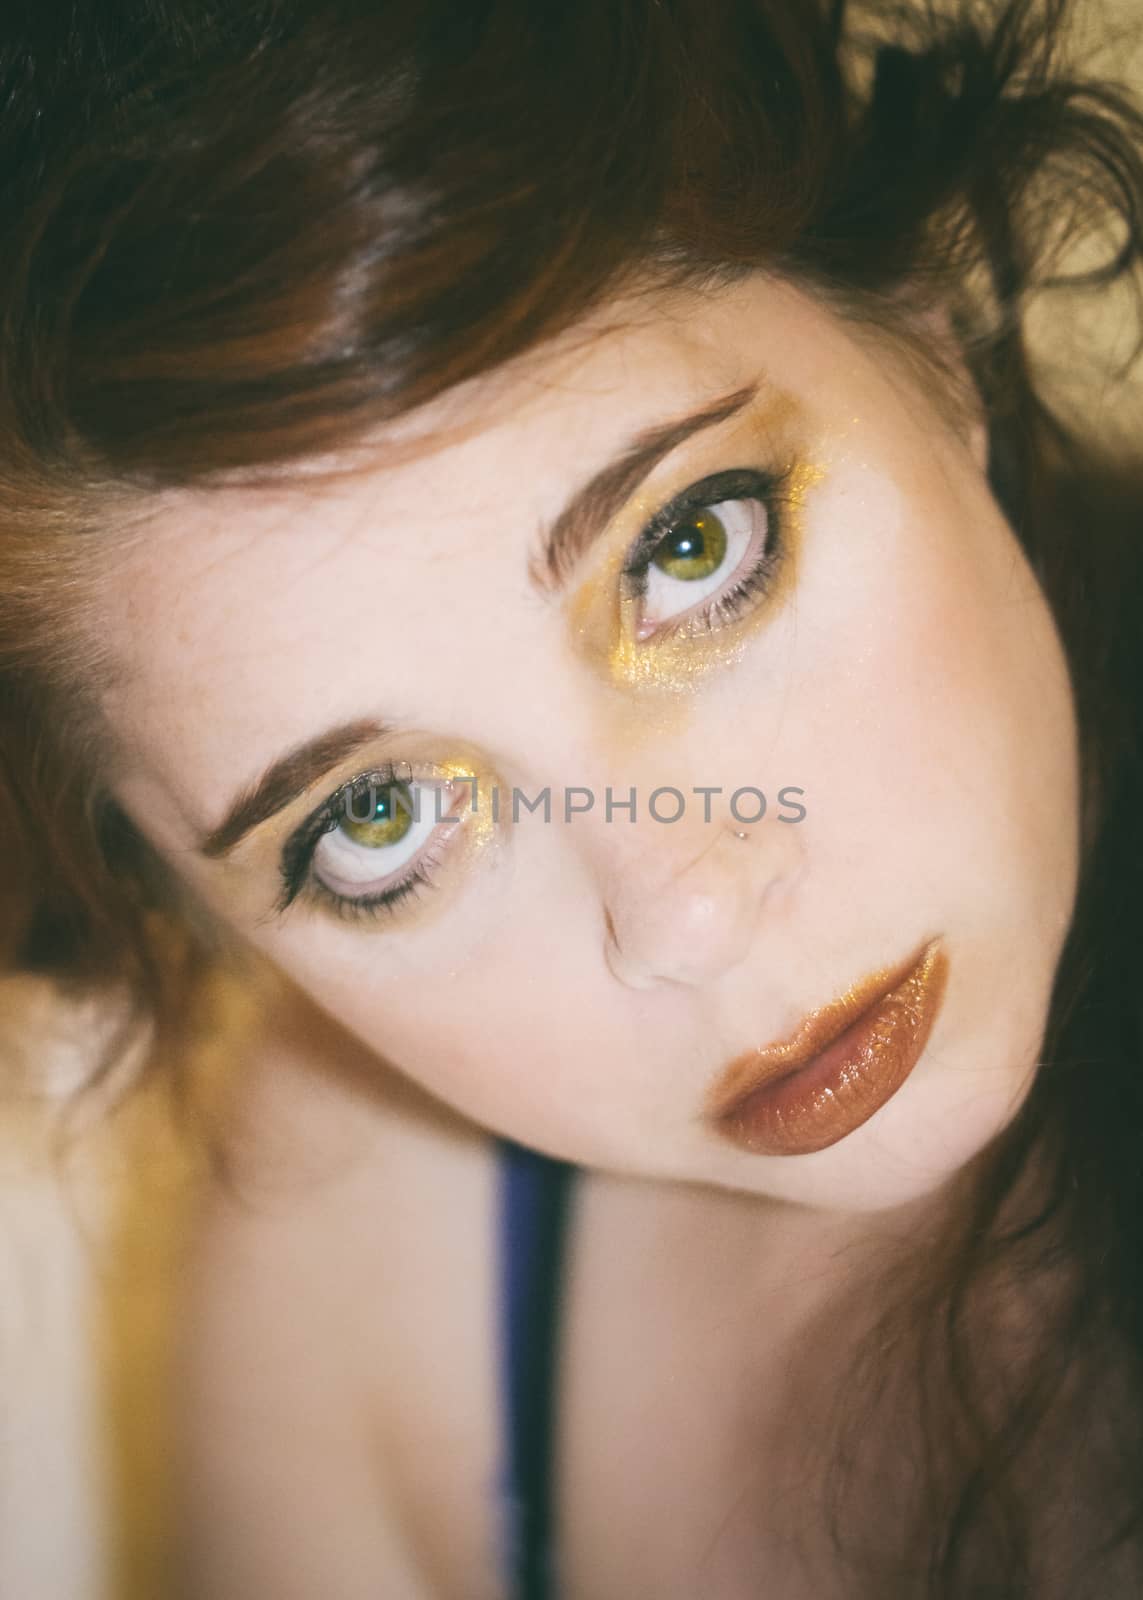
(687, 924)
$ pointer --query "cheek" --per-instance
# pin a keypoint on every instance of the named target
(484, 1024)
(954, 762)
(992, 712)
(948, 723)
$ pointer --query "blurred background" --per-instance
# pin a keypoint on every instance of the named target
(96, 1195)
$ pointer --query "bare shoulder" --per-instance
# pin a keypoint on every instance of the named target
(349, 1233)
(314, 1102)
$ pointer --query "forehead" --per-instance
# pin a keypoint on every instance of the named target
(245, 621)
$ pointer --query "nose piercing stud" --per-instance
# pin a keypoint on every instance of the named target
(740, 833)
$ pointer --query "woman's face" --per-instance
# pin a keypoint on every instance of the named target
(777, 567)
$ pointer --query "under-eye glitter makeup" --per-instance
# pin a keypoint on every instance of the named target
(675, 659)
(482, 821)
(680, 659)
(465, 828)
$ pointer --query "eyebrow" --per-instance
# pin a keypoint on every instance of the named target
(567, 539)
(564, 544)
(287, 778)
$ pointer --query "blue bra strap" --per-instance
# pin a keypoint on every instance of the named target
(533, 1209)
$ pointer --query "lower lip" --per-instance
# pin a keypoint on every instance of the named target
(815, 1105)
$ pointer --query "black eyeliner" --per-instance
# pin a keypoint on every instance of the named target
(734, 483)
(298, 850)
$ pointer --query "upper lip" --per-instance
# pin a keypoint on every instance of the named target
(754, 1069)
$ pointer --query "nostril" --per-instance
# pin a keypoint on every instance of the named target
(633, 974)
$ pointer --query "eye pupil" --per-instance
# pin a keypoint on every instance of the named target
(380, 816)
(695, 548)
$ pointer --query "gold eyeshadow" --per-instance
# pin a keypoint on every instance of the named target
(473, 836)
(603, 616)
(455, 849)
(652, 678)
(481, 824)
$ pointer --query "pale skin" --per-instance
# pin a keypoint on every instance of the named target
(577, 986)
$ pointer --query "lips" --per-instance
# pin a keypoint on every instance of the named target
(840, 1066)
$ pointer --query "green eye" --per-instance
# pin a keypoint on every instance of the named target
(391, 816)
(694, 549)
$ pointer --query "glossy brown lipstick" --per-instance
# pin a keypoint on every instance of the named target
(840, 1066)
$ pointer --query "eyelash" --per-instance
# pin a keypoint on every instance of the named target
(297, 856)
(737, 484)
(723, 608)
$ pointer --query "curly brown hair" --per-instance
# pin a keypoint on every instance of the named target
(238, 236)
